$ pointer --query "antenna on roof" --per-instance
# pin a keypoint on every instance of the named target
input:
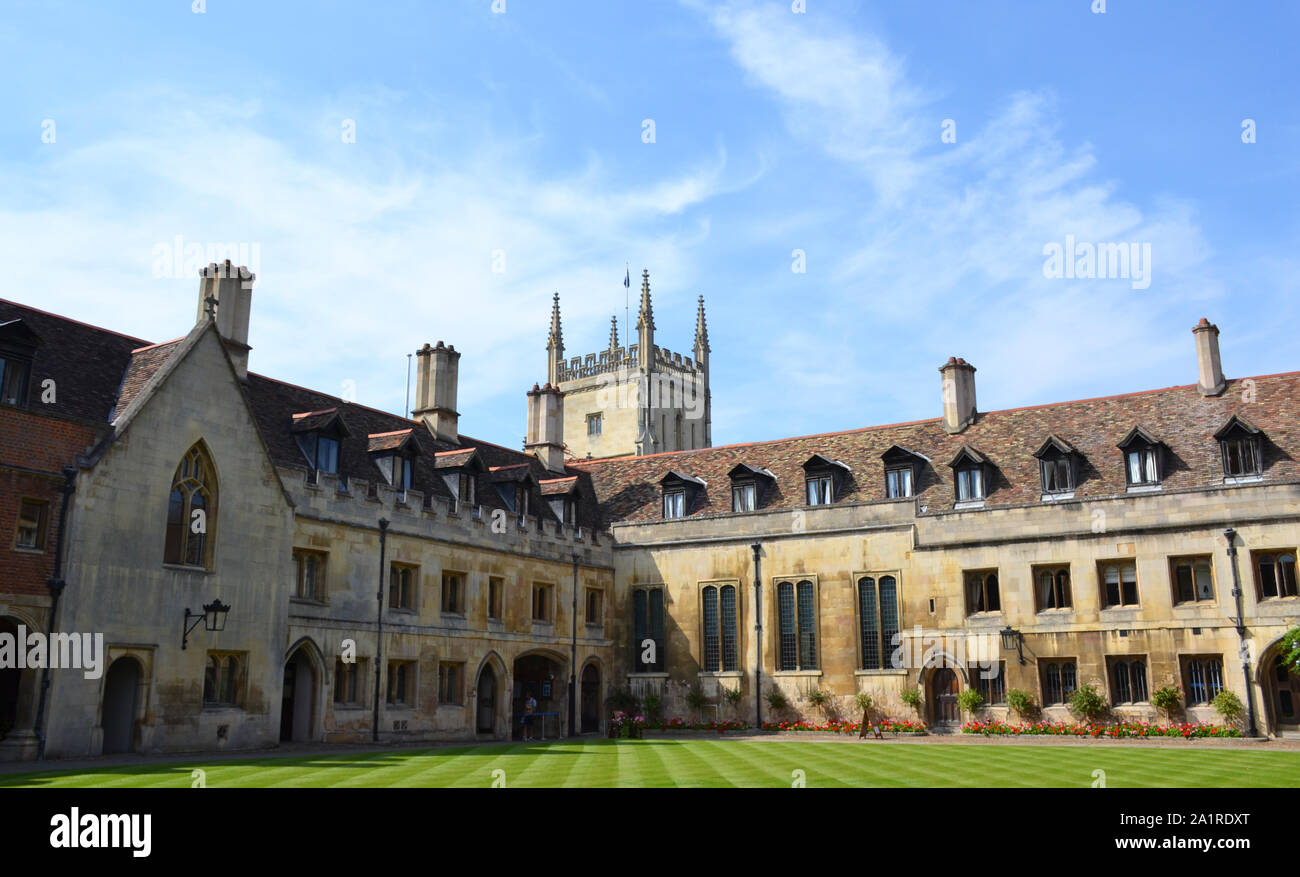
(406, 412)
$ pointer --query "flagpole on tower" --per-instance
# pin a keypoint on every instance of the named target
(627, 308)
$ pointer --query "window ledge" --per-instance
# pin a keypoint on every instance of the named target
(1057, 497)
(222, 708)
(1242, 479)
(21, 549)
(797, 673)
(338, 707)
(1144, 488)
(401, 610)
(890, 671)
(968, 504)
(647, 675)
(1059, 610)
(722, 674)
(308, 601)
(185, 567)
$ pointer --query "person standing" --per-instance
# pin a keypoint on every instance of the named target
(530, 707)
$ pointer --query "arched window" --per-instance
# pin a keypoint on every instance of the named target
(192, 510)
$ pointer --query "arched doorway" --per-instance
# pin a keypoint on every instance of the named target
(121, 695)
(943, 698)
(590, 699)
(298, 697)
(542, 678)
(1281, 686)
(485, 722)
(11, 683)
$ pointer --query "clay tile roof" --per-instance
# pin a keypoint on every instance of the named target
(558, 486)
(454, 459)
(627, 487)
(391, 441)
(145, 362)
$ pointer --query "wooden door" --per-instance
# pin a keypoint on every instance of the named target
(943, 694)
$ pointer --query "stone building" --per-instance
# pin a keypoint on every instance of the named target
(640, 399)
(390, 577)
(1103, 540)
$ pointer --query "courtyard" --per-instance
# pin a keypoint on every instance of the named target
(710, 762)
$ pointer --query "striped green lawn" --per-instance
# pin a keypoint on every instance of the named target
(708, 762)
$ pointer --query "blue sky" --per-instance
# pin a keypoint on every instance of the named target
(522, 132)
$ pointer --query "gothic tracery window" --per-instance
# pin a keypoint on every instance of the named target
(191, 510)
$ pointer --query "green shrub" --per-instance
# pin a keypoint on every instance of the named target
(864, 702)
(695, 698)
(1228, 705)
(1021, 701)
(1291, 650)
(732, 697)
(1167, 698)
(912, 697)
(777, 701)
(1087, 703)
(823, 701)
(654, 708)
(970, 700)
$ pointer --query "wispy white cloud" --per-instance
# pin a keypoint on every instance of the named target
(945, 253)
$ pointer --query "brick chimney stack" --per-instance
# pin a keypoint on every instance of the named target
(436, 378)
(958, 394)
(1210, 381)
(546, 427)
(226, 296)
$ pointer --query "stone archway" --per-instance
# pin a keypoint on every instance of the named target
(541, 676)
(121, 705)
(18, 695)
(1280, 686)
(300, 696)
(590, 699)
(485, 706)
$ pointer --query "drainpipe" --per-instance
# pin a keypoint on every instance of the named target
(55, 584)
(1240, 621)
(379, 626)
(758, 637)
(573, 661)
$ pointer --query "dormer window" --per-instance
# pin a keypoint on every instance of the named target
(748, 484)
(902, 470)
(1143, 458)
(394, 454)
(970, 476)
(1058, 466)
(514, 484)
(1239, 445)
(13, 380)
(459, 470)
(562, 496)
(17, 349)
(679, 492)
(318, 434)
(823, 479)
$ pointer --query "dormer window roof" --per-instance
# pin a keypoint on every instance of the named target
(515, 485)
(748, 484)
(394, 454)
(970, 477)
(902, 471)
(319, 435)
(459, 470)
(823, 478)
(1143, 458)
(679, 493)
(1240, 446)
(1058, 464)
(562, 496)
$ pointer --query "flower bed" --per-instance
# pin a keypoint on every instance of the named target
(626, 725)
(1119, 730)
(891, 726)
(678, 724)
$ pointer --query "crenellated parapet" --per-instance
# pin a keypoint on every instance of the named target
(351, 502)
